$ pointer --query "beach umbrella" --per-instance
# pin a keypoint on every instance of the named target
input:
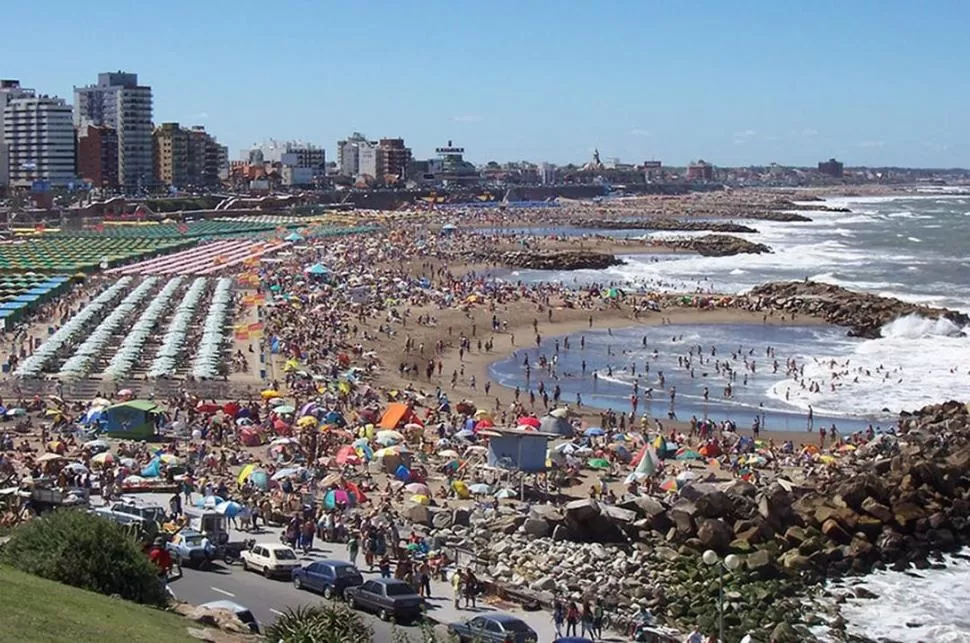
(389, 437)
(505, 493)
(209, 502)
(421, 499)
(347, 455)
(417, 487)
(169, 459)
(245, 473)
(480, 489)
(386, 451)
(528, 420)
(448, 453)
(688, 454)
(269, 394)
(77, 467)
(594, 431)
(103, 459)
(16, 412)
(260, 480)
(560, 413)
(289, 472)
(208, 407)
(481, 414)
(128, 463)
(280, 425)
(284, 409)
(598, 463)
(276, 401)
(331, 479)
(360, 443)
(244, 421)
(337, 498)
(307, 422)
(126, 392)
(229, 509)
(669, 485)
(97, 446)
(484, 424)
(465, 434)
(283, 441)
(49, 457)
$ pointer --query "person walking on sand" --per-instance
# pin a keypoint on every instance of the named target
(558, 616)
(572, 618)
(456, 580)
(353, 548)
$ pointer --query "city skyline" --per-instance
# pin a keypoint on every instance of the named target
(741, 84)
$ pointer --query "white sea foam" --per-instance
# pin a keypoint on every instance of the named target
(913, 607)
(916, 362)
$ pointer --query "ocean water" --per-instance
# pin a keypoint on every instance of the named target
(917, 606)
(915, 247)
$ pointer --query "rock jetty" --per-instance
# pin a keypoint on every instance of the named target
(897, 502)
(562, 260)
(776, 215)
(864, 314)
(717, 245)
(665, 225)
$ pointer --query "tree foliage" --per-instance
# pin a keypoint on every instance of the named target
(324, 623)
(76, 548)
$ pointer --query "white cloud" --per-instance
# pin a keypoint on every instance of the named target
(468, 118)
(748, 133)
(636, 131)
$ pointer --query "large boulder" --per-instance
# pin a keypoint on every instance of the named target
(714, 533)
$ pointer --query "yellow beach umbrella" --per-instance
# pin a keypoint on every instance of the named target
(245, 473)
(269, 394)
(420, 499)
(307, 421)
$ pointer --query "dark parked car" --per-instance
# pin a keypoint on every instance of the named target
(388, 597)
(329, 577)
(494, 628)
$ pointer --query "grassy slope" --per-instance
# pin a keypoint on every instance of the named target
(36, 610)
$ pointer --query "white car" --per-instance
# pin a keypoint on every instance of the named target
(271, 560)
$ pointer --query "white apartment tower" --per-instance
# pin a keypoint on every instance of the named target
(9, 90)
(118, 101)
(38, 132)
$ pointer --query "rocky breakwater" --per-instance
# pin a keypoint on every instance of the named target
(717, 245)
(862, 313)
(899, 501)
(664, 225)
(561, 260)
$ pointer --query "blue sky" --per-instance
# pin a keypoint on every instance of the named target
(734, 83)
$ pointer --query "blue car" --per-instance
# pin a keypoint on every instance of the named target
(494, 628)
(327, 577)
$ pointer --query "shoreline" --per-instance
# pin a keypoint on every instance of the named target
(476, 363)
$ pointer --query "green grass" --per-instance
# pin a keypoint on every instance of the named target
(36, 610)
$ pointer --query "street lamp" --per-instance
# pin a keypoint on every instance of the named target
(730, 563)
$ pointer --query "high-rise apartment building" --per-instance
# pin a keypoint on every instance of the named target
(97, 155)
(117, 100)
(393, 158)
(348, 154)
(38, 135)
(9, 90)
(187, 157)
(171, 155)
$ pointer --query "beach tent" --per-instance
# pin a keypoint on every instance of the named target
(317, 269)
(398, 413)
(132, 420)
(557, 425)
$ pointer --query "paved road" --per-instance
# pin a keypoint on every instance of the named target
(268, 598)
(264, 597)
